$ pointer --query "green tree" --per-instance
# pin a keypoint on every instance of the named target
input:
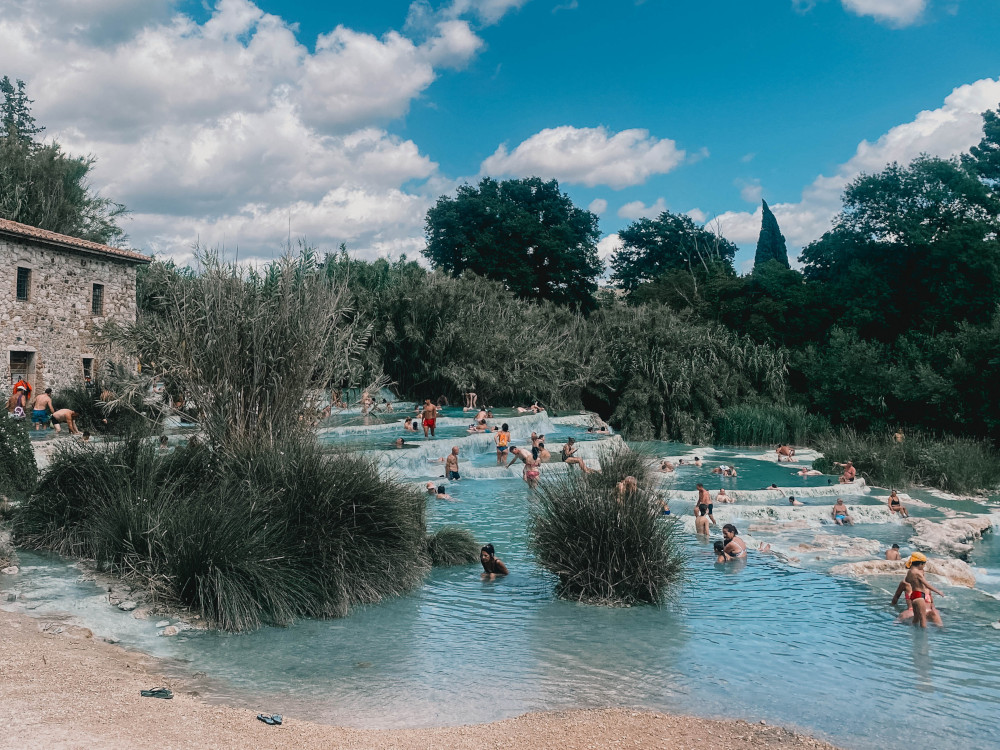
(16, 120)
(44, 187)
(652, 247)
(524, 233)
(915, 247)
(771, 242)
(983, 159)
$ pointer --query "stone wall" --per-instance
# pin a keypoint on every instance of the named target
(56, 322)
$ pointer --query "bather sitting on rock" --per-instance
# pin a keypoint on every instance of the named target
(722, 497)
(569, 455)
(480, 426)
(840, 515)
(896, 506)
(849, 472)
(893, 553)
(785, 452)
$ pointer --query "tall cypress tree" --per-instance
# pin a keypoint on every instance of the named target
(771, 243)
(15, 113)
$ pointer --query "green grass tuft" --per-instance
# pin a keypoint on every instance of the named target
(768, 424)
(451, 545)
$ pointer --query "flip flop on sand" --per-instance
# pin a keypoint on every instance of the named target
(160, 692)
(274, 719)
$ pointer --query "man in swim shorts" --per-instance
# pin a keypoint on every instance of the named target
(429, 414)
(705, 504)
(785, 452)
(451, 465)
(840, 515)
(42, 409)
(849, 472)
(68, 416)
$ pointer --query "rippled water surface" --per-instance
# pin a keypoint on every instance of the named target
(784, 642)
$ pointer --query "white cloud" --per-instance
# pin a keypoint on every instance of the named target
(598, 206)
(697, 215)
(639, 210)
(588, 156)
(750, 191)
(608, 246)
(223, 129)
(892, 12)
(945, 132)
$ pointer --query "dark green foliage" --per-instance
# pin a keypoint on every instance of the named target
(524, 233)
(451, 545)
(983, 159)
(606, 547)
(17, 459)
(671, 242)
(44, 187)
(915, 248)
(768, 424)
(666, 376)
(246, 538)
(953, 464)
(96, 417)
(771, 242)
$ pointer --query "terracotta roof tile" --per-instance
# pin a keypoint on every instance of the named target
(13, 228)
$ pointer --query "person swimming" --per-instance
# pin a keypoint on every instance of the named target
(793, 501)
(492, 565)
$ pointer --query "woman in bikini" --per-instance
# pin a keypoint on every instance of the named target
(896, 506)
(502, 440)
(735, 547)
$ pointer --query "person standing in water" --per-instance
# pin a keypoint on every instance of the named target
(42, 409)
(492, 565)
(705, 504)
(917, 595)
(429, 414)
(700, 521)
(502, 439)
(451, 465)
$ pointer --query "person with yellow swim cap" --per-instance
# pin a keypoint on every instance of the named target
(918, 590)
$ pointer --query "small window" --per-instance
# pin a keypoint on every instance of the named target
(23, 283)
(88, 368)
(97, 300)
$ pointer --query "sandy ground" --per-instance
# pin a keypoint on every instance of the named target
(62, 688)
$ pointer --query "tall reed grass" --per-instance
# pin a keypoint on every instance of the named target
(768, 424)
(953, 464)
(606, 547)
(18, 470)
(245, 537)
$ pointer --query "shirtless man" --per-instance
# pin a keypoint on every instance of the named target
(893, 553)
(408, 425)
(917, 595)
(67, 416)
(705, 504)
(792, 501)
(849, 472)
(723, 498)
(429, 414)
(42, 408)
(366, 403)
(451, 466)
(840, 515)
(785, 452)
(480, 426)
(569, 455)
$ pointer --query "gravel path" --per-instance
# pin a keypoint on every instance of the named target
(62, 688)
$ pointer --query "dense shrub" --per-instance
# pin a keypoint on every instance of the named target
(17, 459)
(607, 548)
(953, 464)
(768, 424)
(246, 538)
(451, 545)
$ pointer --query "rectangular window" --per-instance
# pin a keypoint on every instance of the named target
(97, 300)
(23, 283)
(88, 368)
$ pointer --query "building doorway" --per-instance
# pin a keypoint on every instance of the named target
(22, 367)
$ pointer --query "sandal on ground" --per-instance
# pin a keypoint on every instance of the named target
(160, 692)
(272, 720)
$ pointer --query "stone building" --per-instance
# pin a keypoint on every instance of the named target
(54, 291)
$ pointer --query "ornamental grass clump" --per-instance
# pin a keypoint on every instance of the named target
(451, 545)
(607, 545)
(768, 424)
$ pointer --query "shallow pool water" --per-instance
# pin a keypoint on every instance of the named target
(769, 639)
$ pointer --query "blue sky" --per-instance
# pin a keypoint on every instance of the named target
(738, 100)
